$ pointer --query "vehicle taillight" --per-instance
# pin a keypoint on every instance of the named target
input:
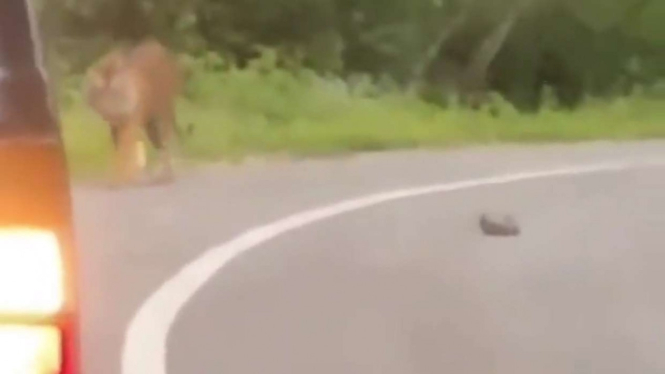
(38, 306)
(31, 277)
(38, 319)
(32, 301)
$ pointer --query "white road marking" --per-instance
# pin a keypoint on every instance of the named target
(144, 351)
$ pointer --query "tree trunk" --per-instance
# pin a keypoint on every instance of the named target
(474, 80)
(433, 51)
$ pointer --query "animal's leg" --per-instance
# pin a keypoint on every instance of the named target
(114, 137)
(152, 129)
(160, 132)
(127, 159)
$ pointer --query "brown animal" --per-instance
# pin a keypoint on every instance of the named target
(134, 90)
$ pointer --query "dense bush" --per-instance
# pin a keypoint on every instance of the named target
(513, 47)
(326, 76)
(264, 109)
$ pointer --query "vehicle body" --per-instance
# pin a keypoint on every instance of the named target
(38, 306)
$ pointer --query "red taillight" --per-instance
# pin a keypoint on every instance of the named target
(46, 347)
(38, 312)
(38, 317)
(31, 290)
(31, 272)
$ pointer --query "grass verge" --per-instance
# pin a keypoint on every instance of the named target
(251, 112)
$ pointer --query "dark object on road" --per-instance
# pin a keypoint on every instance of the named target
(499, 225)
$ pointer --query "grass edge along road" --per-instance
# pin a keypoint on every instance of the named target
(247, 113)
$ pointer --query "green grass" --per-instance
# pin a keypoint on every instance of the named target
(248, 112)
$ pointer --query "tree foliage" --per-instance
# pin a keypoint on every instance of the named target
(470, 47)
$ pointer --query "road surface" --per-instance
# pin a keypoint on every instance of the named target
(409, 286)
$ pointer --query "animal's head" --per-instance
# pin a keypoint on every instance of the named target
(105, 90)
(99, 74)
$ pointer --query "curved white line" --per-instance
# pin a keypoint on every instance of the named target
(145, 343)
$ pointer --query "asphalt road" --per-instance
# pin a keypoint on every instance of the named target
(405, 287)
